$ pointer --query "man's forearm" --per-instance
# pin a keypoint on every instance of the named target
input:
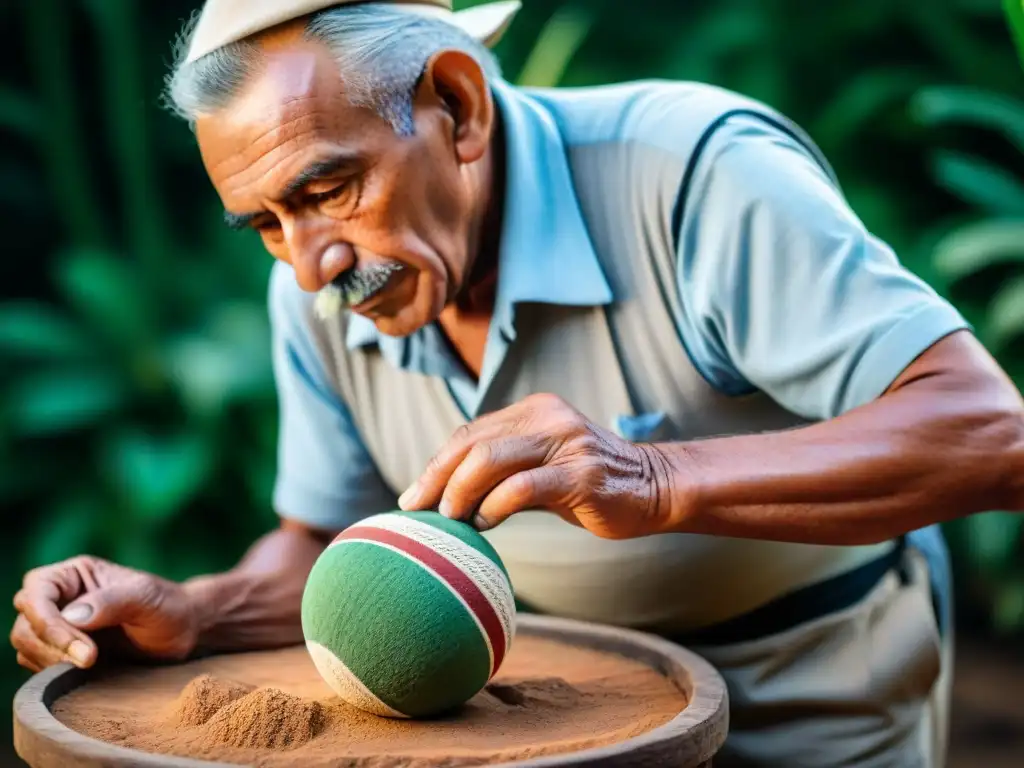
(940, 445)
(257, 604)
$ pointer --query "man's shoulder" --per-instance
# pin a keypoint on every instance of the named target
(668, 115)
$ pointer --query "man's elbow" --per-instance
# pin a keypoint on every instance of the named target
(984, 413)
(993, 450)
(1014, 461)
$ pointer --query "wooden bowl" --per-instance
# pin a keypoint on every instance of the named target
(690, 740)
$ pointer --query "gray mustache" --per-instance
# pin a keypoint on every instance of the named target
(352, 288)
(360, 284)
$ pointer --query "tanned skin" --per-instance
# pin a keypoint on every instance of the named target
(946, 440)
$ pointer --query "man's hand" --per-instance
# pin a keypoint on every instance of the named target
(542, 453)
(59, 604)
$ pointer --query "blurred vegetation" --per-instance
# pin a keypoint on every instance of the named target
(138, 415)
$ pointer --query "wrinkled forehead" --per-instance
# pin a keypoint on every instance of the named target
(284, 83)
(294, 97)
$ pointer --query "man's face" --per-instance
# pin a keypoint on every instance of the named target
(336, 193)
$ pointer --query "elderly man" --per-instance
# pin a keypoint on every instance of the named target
(633, 333)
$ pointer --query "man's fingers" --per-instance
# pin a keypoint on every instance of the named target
(26, 643)
(27, 663)
(111, 606)
(38, 607)
(541, 488)
(62, 581)
(488, 463)
(426, 492)
(36, 590)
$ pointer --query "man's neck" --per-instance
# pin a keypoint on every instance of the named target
(466, 320)
(478, 293)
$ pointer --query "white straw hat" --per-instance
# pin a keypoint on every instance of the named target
(227, 21)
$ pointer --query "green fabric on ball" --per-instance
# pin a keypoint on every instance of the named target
(395, 624)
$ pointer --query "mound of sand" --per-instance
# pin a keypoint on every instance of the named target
(265, 719)
(202, 698)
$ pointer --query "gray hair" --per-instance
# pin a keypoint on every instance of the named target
(381, 53)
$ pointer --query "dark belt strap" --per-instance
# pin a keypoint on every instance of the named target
(799, 607)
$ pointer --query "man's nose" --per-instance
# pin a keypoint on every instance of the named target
(318, 268)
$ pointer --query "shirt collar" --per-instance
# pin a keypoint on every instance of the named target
(545, 254)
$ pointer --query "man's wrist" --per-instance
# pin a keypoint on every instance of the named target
(206, 596)
(674, 490)
(200, 593)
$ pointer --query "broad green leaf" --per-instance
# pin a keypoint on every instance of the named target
(977, 246)
(109, 292)
(64, 399)
(241, 323)
(1014, 10)
(156, 476)
(973, 106)
(994, 539)
(66, 529)
(557, 43)
(32, 329)
(1006, 315)
(212, 374)
(979, 182)
(227, 361)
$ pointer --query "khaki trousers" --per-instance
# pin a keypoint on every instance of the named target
(868, 686)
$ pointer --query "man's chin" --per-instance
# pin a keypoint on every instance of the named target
(396, 321)
(411, 301)
(397, 326)
(406, 318)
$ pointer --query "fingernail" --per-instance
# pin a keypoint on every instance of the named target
(77, 614)
(445, 508)
(480, 524)
(79, 653)
(410, 495)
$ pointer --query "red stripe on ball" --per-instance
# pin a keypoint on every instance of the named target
(446, 570)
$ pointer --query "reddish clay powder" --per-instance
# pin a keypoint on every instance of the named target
(272, 710)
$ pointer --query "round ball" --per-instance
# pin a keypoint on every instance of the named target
(408, 614)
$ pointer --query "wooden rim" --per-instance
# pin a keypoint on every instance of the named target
(691, 738)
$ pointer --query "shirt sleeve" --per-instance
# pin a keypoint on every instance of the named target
(325, 476)
(783, 289)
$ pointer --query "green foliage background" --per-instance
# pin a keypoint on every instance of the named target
(137, 417)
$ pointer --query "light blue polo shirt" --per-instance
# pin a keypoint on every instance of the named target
(800, 302)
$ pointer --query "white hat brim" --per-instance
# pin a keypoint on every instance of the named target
(485, 23)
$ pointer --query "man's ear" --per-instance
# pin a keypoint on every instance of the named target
(454, 82)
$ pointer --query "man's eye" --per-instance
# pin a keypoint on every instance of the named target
(330, 194)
